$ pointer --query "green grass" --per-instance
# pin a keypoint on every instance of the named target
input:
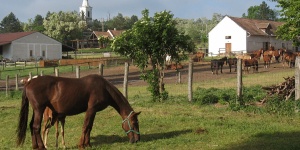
(173, 124)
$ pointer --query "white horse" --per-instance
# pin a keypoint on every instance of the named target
(168, 59)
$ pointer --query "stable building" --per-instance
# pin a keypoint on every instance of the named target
(29, 46)
(236, 35)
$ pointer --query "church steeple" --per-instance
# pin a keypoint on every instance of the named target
(86, 11)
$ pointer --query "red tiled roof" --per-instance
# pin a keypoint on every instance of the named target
(104, 34)
(116, 32)
(254, 26)
(7, 38)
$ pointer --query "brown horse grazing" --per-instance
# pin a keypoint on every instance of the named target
(215, 64)
(232, 62)
(49, 120)
(71, 96)
(248, 63)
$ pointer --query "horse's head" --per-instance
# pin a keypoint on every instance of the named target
(131, 127)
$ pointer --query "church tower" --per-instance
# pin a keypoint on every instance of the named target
(85, 11)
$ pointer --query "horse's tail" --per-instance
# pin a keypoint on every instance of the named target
(23, 118)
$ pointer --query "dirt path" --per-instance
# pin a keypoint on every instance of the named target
(202, 72)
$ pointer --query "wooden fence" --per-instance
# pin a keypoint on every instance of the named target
(239, 87)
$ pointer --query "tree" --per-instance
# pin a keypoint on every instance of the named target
(64, 26)
(10, 24)
(35, 25)
(261, 12)
(290, 30)
(148, 42)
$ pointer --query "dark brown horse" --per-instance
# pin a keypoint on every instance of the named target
(250, 63)
(232, 62)
(215, 64)
(70, 96)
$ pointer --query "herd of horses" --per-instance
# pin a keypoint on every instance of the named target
(53, 98)
(251, 60)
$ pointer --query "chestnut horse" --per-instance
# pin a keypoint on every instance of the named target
(248, 63)
(71, 96)
(50, 120)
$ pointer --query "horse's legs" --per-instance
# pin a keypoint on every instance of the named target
(86, 129)
(56, 133)
(35, 127)
(62, 123)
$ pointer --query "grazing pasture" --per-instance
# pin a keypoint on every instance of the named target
(180, 125)
(175, 123)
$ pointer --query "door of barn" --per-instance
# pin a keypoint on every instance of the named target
(228, 48)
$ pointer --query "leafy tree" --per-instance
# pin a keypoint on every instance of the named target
(10, 24)
(35, 25)
(261, 12)
(64, 26)
(148, 42)
(290, 30)
(120, 23)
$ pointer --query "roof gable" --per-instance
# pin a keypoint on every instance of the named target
(109, 34)
(257, 27)
(7, 38)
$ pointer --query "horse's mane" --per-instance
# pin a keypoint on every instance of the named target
(116, 95)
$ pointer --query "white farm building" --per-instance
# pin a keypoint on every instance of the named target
(235, 35)
(29, 46)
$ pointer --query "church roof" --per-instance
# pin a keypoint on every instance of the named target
(85, 3)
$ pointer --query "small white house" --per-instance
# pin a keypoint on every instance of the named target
(235, 35)
(29, 46)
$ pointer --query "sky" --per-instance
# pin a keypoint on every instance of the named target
(185, 9)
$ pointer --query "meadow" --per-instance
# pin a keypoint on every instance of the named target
(177, 123)
(171, 124)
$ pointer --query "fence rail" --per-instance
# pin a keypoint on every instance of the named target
(190, 71)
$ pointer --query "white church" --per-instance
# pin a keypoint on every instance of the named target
(86, 11)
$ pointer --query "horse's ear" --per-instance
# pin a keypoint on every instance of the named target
(137, 113)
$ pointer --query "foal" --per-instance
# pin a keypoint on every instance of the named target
(49, 120)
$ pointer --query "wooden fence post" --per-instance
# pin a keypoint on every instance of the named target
(125, 84)
(17, 82)
(179, 77)
(77, 71)
(30, 75)
(190, 81)
(239, 81)
(7, 85)
(297, 81)
(56, 72)
(101, 69)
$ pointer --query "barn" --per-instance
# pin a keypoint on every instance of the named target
(29, 46)
(235, 35)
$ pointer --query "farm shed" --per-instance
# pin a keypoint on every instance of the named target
(233, 35)
(29, 46)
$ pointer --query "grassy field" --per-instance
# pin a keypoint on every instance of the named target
(175, 123)
(172, 124)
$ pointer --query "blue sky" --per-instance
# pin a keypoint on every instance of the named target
(187, 9)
